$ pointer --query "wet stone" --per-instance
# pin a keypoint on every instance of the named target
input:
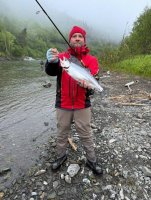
(52, 195)
(60, 192)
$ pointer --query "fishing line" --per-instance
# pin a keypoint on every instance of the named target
(54, 24)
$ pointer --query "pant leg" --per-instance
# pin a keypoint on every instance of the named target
(82, 120)
(64, 119)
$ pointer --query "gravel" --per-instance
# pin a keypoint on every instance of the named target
(121, 124)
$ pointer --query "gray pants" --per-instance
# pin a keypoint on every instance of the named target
(82, 119)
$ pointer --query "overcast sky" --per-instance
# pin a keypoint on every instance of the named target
(113, 17)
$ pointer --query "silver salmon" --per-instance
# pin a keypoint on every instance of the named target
(79, 74)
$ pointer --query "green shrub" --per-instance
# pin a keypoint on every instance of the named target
(138, 65)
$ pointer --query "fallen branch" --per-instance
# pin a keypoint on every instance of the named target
(128, 85)
(117, 97)
(73, 145)
(133, 104)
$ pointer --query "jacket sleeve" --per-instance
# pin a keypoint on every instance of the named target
(94, 66)
(52, 69)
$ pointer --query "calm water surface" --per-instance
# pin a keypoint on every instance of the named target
(26, 107)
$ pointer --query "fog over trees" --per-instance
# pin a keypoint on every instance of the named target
(107, 19)
(26, 31)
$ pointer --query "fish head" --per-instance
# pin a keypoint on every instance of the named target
(64, 63)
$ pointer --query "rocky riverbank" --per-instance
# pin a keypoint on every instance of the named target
(121, 125)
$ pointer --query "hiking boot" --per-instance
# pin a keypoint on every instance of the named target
(57, 163)
(94, 167)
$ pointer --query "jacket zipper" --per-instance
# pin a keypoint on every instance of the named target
(72, 94)
(77, 89)
(69, 85)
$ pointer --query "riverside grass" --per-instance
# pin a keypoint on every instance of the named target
(138, 65)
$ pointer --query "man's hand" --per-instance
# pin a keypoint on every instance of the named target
(84, 84)
(52, 55)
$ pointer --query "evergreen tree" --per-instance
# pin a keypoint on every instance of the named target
(22, 38)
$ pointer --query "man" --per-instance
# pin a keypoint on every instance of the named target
(72, 98)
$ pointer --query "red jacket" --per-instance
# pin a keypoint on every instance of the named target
(69, 95)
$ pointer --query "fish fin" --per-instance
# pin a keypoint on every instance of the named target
(64, 63)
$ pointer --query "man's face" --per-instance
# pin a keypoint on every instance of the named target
(77, 40)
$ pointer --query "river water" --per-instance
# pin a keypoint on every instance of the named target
(27, 115)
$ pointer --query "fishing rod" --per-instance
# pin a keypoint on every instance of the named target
(53, 24)
(58, 30)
